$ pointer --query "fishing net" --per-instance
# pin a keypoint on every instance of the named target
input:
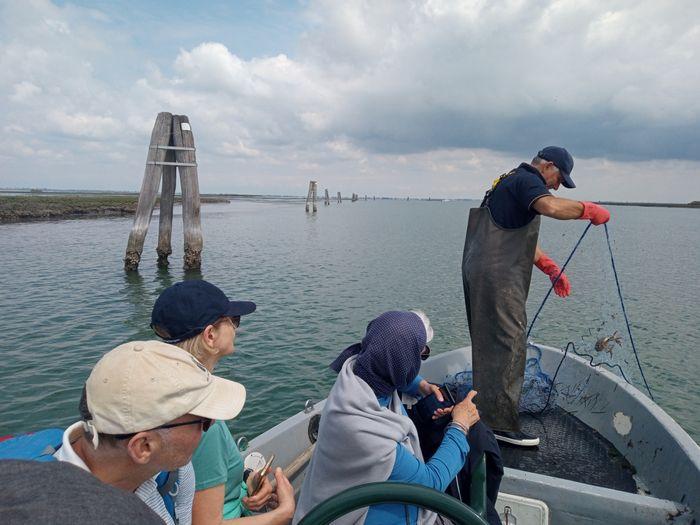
(591, 323)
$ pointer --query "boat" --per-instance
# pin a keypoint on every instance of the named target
(608, 453)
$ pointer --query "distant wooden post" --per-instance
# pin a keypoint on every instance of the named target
(327, 201)
(354, 197)
(340, 199)
(172, 146)
(311, 196)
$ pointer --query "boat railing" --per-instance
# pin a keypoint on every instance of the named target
(406, 493)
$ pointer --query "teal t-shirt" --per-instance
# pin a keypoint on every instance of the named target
(217, 461)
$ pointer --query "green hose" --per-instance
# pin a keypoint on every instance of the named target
(391, 492)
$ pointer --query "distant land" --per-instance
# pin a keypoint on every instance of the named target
(37, 207)
(692, 204)
(27, 204)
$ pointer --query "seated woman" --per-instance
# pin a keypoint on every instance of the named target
(365, 434)
(198, 317)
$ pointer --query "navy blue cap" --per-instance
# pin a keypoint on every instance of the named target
(185, 309)
(562, 159)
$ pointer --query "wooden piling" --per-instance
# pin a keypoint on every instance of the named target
(311, 196)
(186, 160)
(327, 201)
(340, 199)
(160, 136)
(167, 200)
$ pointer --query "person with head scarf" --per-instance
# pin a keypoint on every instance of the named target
(365, 435)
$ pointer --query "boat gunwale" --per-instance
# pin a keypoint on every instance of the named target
(686, 446)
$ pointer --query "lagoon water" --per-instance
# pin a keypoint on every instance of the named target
(318, 279)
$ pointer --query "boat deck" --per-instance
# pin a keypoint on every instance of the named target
(570, 450)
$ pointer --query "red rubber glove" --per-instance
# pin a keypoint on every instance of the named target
(595, 213)
(562, 287)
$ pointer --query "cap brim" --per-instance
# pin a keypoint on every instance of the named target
(239, 308)
(225, 400)
(568, 181)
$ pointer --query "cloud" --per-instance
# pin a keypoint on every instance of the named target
(81, 124)
(239, 149)
(24, 91)
(377, 93)
(605, 78)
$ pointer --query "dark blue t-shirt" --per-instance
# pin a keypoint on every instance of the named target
(511, 201)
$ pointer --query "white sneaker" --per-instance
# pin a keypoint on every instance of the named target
(520, 439)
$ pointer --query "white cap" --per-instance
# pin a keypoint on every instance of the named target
(426, 324)
(144, 384)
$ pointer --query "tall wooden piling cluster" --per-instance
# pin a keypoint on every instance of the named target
(311, 196)
(171, 148)
(327, 200)
(340, 199)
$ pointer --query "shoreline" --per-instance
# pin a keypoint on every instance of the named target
(34, 207)
(38, 206)
(693, 204)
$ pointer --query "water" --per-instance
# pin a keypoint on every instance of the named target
(317, 280)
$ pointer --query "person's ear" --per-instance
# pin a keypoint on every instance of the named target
(209, 335)
(143, 446)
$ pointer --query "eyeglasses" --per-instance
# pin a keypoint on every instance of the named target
(425, 353)
(235, 321)
(205, 423)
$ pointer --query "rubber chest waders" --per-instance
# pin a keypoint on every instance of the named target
(496, 273)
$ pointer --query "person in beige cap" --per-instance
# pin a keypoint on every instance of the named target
(145, 406)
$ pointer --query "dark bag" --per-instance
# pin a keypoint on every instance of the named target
(481, 441)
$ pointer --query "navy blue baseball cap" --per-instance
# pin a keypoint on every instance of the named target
(185, 309)
(562, 159)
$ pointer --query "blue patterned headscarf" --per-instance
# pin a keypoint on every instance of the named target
(388, 358)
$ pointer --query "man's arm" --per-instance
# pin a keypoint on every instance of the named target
(564, 209)
(538, 253)
(558, 208)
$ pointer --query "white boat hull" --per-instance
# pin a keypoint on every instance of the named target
(666, 459)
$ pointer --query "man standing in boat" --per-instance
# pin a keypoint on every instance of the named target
(499, 252)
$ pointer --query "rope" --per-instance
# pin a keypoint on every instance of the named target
(590, 358)
(561, 272)
(624, 312)
(571, 344)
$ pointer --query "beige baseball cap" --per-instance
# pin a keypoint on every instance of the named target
(144, 384)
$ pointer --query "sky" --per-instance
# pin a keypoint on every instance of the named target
(427, 98)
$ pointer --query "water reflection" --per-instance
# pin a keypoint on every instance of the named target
(135, 293)
(164, 279)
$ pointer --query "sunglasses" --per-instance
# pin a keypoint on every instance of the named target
(205, 423)
(425, 353)
(235, 321)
